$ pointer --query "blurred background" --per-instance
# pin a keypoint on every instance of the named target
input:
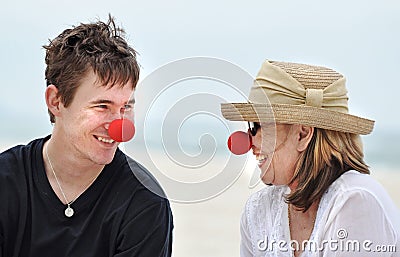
(356, 38)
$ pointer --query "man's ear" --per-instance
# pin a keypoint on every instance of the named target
(53, 101)
(305, 134)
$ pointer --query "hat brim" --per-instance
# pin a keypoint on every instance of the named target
(297, 114)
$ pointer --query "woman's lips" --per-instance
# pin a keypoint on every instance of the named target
(261, 159)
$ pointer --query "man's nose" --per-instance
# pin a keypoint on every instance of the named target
(113, 116)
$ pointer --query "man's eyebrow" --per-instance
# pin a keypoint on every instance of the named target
(105, 101)
(102, 101)
(131, 101)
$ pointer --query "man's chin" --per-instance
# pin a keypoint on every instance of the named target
(105, 159)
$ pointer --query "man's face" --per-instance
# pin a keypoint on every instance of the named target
(83, 125)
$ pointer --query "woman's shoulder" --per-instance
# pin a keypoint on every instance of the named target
(359, 191)
(356, 182)
(358, 200)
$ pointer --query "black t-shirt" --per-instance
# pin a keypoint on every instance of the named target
(116, 216)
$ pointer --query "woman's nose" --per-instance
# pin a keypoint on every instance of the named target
(255, 141)
(239, 142)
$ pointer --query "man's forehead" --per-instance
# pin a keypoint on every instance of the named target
(95, 93)
(108, 82)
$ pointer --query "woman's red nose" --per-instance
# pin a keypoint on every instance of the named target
(239, 142)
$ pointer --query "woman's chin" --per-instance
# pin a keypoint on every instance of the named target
(267, 179)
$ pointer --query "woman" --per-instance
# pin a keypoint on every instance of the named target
(322, 201)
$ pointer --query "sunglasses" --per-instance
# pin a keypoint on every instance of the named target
(253, 128)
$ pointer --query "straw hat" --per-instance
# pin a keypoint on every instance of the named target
(294, 93)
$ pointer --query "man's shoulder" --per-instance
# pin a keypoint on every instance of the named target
(20, 149)
(17, 157)
(143, 193)
(12, 157)
(148, 184)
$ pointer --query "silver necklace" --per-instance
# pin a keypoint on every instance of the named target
(69, 212)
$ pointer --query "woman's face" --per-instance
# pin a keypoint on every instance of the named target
(276, 150)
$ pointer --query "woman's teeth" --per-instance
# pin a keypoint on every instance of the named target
(105, 140)
(260, 158)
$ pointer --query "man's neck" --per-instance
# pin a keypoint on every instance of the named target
(74, 173)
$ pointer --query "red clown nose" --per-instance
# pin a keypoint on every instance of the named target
(239, 142)
(121, 130)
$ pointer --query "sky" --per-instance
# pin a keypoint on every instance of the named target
(357, 38)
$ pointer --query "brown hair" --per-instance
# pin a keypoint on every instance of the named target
(98, 46)
(328, 155)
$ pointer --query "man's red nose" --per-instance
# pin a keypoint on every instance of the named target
(121, 130)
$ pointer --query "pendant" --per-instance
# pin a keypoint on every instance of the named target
(69, 212)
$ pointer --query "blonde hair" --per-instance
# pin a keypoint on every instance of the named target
(328, 155)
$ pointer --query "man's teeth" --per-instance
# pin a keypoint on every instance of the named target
(105, 140)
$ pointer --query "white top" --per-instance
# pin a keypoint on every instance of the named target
(355, 217)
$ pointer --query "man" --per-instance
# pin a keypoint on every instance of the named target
(74, 193)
